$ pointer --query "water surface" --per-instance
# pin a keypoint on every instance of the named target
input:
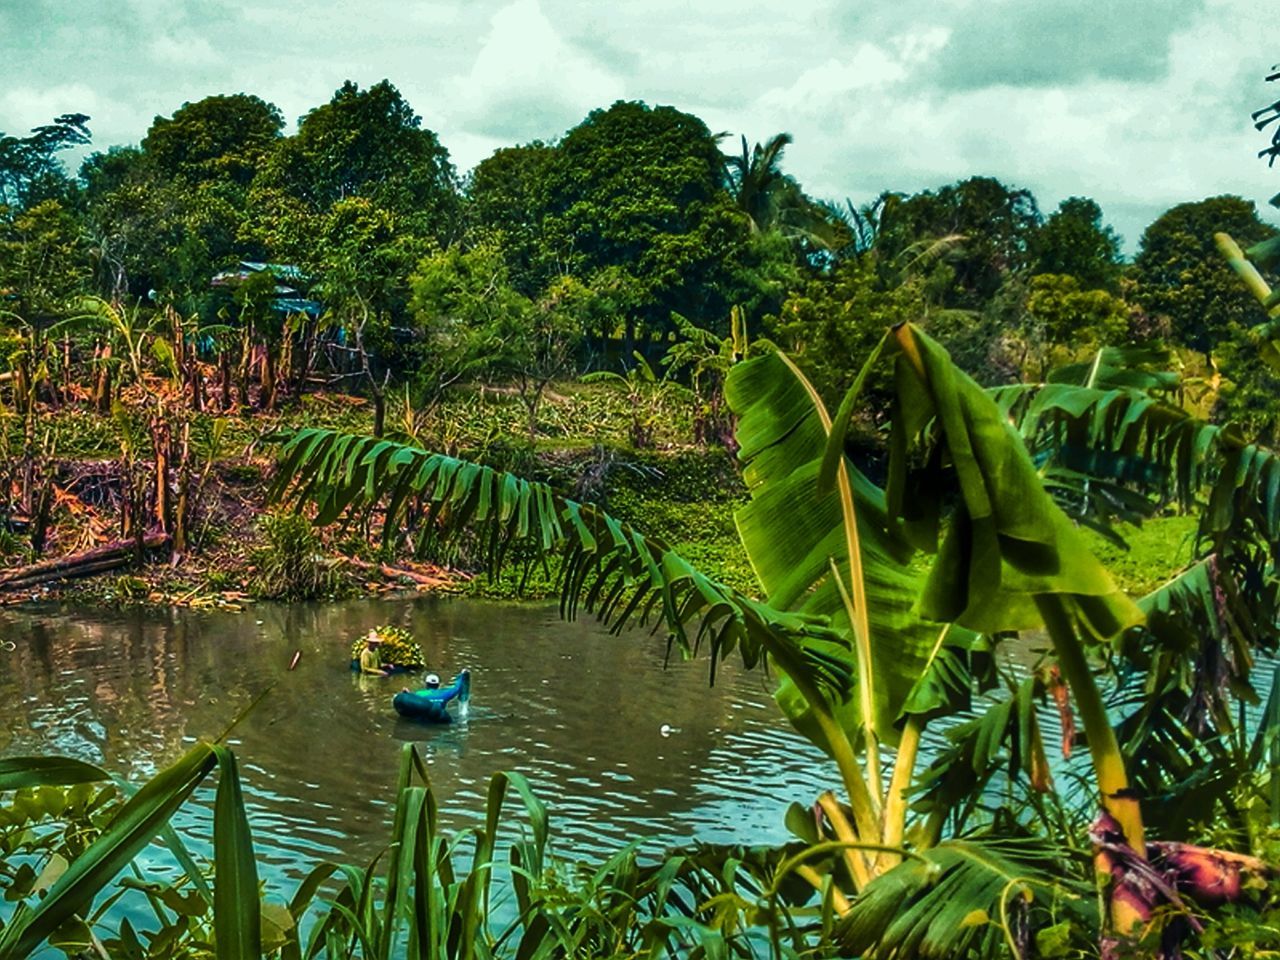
(619, 748)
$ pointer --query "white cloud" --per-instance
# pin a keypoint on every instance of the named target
(527, 81)
(1138, 108)
(184, 50)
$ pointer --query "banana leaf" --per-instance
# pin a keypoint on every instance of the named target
(1007, 543)
(794, 536)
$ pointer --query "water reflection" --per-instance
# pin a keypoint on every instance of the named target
(617, 747)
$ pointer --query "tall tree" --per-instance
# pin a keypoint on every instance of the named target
(1180, 274)
(773, 200)
(992, 226)
(30, 170)
(364, 261)
(370, 144)
(509, 194)
(637, 195)
(1075, 241)
(44, 262)
(217, 138)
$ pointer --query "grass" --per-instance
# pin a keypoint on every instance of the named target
(1158, 549)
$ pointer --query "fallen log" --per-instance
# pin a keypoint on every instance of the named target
(108, 556)
(387, 570)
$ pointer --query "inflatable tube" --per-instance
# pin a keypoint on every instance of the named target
(432, 706)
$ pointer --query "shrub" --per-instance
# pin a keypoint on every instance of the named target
(289, 563)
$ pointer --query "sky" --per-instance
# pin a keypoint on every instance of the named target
(1140, 104)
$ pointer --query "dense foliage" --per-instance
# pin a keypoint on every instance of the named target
(927, 399)
(392, 271)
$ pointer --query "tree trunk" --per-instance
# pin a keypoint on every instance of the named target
(102, 384)
(242, 371)
(224, 367)
(184, 491)
(379, 409)
(162, 447)
(267, 382)
(106, 557)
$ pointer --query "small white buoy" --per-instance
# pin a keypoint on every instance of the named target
(666, 729)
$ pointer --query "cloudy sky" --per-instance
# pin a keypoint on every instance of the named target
(1138, 103)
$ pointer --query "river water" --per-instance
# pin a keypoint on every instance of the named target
(618, 747)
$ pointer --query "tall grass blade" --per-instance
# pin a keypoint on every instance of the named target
(236, 905)
(133, 827)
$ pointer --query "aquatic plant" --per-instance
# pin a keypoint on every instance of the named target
(428, 894)
(398, 648)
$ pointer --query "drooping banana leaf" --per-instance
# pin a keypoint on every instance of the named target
(1007, 542)
(793, 533)
(610, 568)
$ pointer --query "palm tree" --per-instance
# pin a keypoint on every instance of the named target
(771, 200)
(759, 187)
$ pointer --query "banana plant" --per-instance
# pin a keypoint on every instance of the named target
(871, 639)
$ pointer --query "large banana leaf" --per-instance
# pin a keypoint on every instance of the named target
(609, 568)
(794, 536)
(1007, 545)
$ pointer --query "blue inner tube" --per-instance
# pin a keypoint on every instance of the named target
(432, 706)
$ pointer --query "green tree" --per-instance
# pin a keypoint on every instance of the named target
(839, 316)
(509, 198)
(224, 138)
(370, 144)
(772, 199)
(989, 229)
(363, 262)
(117, 189)
(465, 297)
(1074, 240)
(1065, 320)
(30, 170)
(1179, 273)
(44, 262)
(637, 192)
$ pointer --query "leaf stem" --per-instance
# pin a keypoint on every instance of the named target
(1108, 761)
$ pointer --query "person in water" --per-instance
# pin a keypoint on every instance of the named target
(371, 656)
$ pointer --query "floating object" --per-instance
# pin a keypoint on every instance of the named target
(297, 655)
(400, 652)
(665, 729)
(431, 705)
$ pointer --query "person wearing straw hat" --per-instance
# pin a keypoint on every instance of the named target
(371, 656)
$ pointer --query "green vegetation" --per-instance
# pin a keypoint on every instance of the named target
(398, 647)
(289, 564)
(866, 446)
(884, 609)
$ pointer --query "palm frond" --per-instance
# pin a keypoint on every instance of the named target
(1123, 431)
(609, 568)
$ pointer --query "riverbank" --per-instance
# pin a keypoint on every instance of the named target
(673, 489)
